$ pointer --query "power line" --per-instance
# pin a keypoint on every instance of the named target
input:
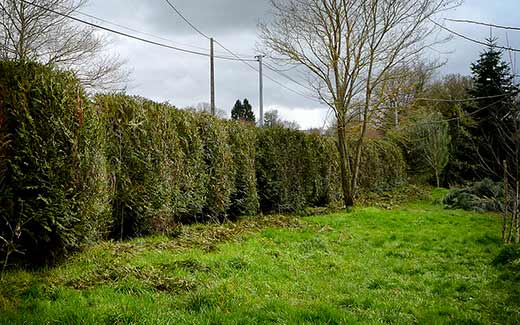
(268, 77)
(471, 39)
(141, 32)
(467, 21)
(461, 100)
(137, 31)
(237, 57)
(125, 34)
(186, 19)
(288, 77)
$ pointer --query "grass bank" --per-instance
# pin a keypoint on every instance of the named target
(416, 263)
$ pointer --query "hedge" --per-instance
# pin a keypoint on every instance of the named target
(75, 170)
(53, 184)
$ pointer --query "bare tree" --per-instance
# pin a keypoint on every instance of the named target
(272, 119)
(34, 31)
(405, 83)
(205, 107)
(349, 47)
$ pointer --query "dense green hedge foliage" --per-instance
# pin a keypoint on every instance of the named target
(383, 166)
(295, 170)
(75, 170)
(53, 186)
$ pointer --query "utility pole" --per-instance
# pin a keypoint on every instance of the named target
(212, 76)
(259, 58)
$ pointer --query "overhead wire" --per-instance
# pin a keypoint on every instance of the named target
(141, 39)
(186, 20)
(266, 76)
(461, 100)
(236, 56)
(471, 39)
(468, 21)
(138, 31)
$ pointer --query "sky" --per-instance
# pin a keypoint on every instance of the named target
(183, 79)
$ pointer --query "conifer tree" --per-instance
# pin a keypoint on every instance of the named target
(248, 114)
(243, 111)
(493, 111)
(236, 112)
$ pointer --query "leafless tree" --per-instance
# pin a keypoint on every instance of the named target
(348, 47)
(405, 83)
(205, 107)
(34, 31)
(272, 119)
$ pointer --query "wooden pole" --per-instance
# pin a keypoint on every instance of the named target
(212, 76)
(506, 203)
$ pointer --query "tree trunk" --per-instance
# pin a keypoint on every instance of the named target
(506, 203)
(348, 195)
(437, 178)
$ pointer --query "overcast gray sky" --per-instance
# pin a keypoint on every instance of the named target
(183, 79)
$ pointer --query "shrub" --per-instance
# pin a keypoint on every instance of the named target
(244, 197)
(75, 170)
(321, 172)
(383, 166)
(485, 195)
(509, 256)
(50, 164)
(296, 170)
(219, 166)
(280, 169)
(147, 162)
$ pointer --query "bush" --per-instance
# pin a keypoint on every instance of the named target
(280, 169)
(75, 170)
(383, 166)
(53, 190)
(509, 256)
(482, 196)
(244, 196)
(296, 170)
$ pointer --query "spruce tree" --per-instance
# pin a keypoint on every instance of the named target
(243, 111)
(248, 114)
(237, 110)
(494, 114)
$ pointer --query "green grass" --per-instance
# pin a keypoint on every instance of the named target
(414, 264)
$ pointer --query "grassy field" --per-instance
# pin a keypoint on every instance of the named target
(417, 263)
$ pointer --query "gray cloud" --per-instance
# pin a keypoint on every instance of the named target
(182, 79)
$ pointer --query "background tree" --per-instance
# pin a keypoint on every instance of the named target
(405, 84)
(236, 111)
(431, 143)
(243, 111)
(33, 33)
(348, 48)
(449, 96)
(205, 107)
(494, 116)
(272, 119)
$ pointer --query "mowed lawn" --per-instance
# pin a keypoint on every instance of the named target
(417, 263)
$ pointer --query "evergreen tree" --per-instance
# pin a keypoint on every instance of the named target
(494, 116)
(243, 111)
(248, 112)
(237, 110)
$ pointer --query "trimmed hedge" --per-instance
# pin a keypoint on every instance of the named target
(295, 170)
(53, 185)
(383, 166)
(75, 170)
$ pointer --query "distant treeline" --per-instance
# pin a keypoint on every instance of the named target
(74, 169)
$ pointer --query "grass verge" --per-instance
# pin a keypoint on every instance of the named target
(416, 263)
